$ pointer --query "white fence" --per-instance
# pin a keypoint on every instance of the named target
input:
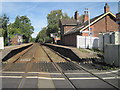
(108, 38)
(1, 43)
(87, 42)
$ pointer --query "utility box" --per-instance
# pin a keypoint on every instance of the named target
(112, 54)
(112, 37)
(101, 38)
(106, 39)
(117, 38)
(1, 43)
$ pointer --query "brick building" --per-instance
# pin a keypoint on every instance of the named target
(105, 22)
(16, 39)
(118, 19)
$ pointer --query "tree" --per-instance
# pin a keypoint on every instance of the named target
(53, 21)
(1, 29)
(4, 29)
(53, 25)
(42, 35)
(22, 26)
(33, 39)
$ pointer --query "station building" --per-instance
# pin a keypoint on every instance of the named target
(70, 28)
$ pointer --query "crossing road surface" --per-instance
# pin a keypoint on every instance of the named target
(40, 67)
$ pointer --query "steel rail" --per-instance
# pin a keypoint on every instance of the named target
(60, 70)
(9, 64)
(81, 67)
(24, 53)
(29, 64)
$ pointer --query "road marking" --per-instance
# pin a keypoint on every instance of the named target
(48, 78)
(95, 72)
(11, 76)
(12, 72)
(30, 72)
(78, 78)
(83, 78)
(111, 78)
(93, 78)
(60, 73)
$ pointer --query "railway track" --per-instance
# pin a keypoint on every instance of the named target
(33, 63)
(15, 59)
(80, 67)
(28, 67)
(60, 70)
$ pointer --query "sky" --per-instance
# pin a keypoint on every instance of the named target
(37, 11)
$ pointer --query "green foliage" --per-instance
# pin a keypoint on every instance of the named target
(1, 32)
(53, 26)
(4, 20)
(1, 29)
(42, 36)
(53, 21)
(33, 39)
(21, 26)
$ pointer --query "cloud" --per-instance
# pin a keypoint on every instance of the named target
(34, 34)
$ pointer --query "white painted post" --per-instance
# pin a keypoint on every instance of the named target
(77, 41)
(1, 43)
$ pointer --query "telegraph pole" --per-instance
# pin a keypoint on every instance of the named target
(89, 33)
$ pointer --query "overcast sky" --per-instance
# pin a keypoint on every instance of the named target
(37, 11)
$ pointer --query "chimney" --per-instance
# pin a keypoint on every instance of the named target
(86, 17)
(106, 8)
(76, 16)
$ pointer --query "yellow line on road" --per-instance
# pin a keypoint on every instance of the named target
(49, 78)
(80, 78)
(12, 72)
(11, 76)
(60, 73)
(45, 73)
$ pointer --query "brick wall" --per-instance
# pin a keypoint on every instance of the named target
(14, 40)
(67, 28)
(118, 20)
(70, 39)
(106, 24)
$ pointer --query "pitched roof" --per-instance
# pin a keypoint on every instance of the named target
(85, 25)
(68, 22)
